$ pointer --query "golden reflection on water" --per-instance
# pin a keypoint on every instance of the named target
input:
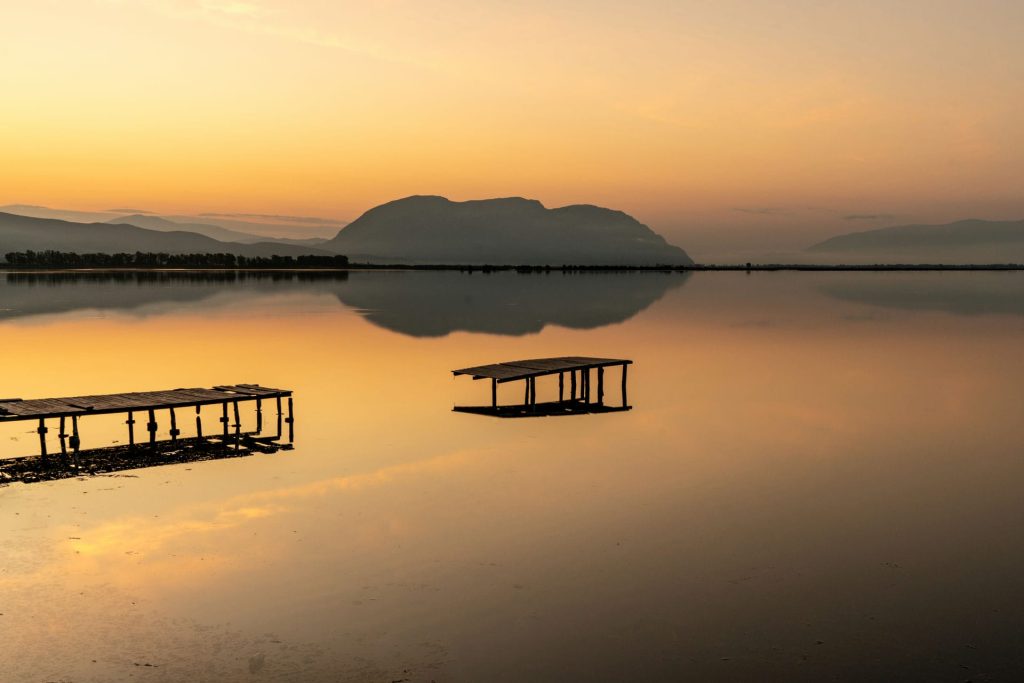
(796, 469)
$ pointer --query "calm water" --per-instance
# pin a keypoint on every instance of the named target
(821, 479)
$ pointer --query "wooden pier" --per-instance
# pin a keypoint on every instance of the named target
(148, 403)
(583, 397)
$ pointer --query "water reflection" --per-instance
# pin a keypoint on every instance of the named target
(419, 304)
(956, 293)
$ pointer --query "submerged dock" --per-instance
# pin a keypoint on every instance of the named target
(73, 408)
(582, 398)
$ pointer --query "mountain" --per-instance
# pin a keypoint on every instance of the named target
(22, 233)
(151, 222)
(245, 228)
(967, 241)
(515, 231)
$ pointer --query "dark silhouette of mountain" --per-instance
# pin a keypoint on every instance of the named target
(967, 241)
(234, 229)
(420, 304)
(21, 233)
(151, 222)
(500, 232)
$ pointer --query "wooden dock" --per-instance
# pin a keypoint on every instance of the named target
(72, 408)
(582, 396)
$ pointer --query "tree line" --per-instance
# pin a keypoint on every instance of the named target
(67, 259)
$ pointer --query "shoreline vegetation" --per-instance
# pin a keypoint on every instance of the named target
(139, 261)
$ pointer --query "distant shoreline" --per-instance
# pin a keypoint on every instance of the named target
(749, 267)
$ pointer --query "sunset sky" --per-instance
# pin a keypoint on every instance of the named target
(723, 125)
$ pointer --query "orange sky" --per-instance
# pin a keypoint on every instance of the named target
(722, 125)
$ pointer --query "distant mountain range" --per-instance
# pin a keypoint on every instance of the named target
(967, 241)
(23, 233)
(226, 228)
(427, 229)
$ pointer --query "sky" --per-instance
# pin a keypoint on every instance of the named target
(726, 126)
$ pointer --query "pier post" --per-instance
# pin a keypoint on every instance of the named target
(291, 422)
(62, 435)
(600, 386)
(199, 422)
(151, 426)
(259, 416)
(75, 441)
(586, 385)
(174, 426)
(494, 393)
(561, 386)
(238, 427)
(42, 438)
(572, 385)
(279, 415)
(131, 428)
(526, 391)
(624, 368)
(224, 421)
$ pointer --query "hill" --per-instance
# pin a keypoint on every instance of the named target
(23, 233)
(967, 241)
(516, 231)
(151, 222)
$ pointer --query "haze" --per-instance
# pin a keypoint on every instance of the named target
(725, 126)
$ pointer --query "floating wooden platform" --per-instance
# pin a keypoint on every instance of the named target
(579, 402)
(75, 407)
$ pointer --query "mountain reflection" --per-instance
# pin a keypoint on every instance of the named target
(972, 293)
(419, 304)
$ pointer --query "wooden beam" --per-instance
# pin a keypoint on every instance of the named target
(42, 437)
(63, 436)
(600, 386)
(625, 367)
(152, 427)
(494, 393)
(291, 421)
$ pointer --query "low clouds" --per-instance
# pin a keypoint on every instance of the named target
(869, 217)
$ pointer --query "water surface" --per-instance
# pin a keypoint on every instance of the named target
(820, 480)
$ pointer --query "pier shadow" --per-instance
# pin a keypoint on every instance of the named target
(545, 409)
(113, 459)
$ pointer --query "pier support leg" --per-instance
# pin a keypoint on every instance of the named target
(76, 442)
(131, 428)
(494, 393)
(526, 391)
(561, 386)
(151, 426)
(624, 401)
(586, 385)
(63, 436)
(174, 426)
(600, 386)
(279, 416)
(572, 385)
(224, 422)
(291, 421)
(199, 423)
(238, 427)
(259, 416)
(42, 438)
